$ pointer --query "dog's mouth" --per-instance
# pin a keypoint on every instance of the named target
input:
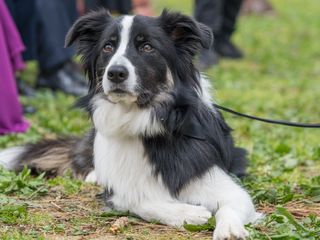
(116, 95)
(119, 91)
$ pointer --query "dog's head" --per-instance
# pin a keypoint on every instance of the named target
(135, 59)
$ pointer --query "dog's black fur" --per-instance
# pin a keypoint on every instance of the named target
(196, 141)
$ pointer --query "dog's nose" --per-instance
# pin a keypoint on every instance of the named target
(118, 74)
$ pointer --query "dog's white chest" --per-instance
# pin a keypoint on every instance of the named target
(122, 165)
(118, 160)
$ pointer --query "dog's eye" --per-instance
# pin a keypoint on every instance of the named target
(147, 48)
(108, 48)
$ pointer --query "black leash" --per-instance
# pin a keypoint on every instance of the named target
(280, 122)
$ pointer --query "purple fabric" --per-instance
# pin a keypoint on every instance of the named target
(11, 46)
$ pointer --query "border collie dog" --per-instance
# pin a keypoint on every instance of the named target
(158, 146)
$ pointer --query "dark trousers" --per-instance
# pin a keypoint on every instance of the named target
(219, 15)
(43, 26)
(119, 6)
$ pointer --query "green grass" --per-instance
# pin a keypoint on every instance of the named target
(279, 78)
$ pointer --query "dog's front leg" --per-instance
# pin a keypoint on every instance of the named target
(172, 213)
(232, 204)
(229, 224)
(234, 208)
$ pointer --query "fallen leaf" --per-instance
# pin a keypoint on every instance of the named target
(119, 224)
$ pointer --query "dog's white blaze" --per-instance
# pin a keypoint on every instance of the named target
(8, 157)
(119, 58)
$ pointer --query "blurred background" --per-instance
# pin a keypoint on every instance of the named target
(265, 62)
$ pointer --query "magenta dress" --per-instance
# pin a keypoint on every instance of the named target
(11, 46)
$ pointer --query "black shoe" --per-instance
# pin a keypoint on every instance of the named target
(74, 71)
(227, 49)
(24, 89)
(61, 80)
(28, 109)
(207, 58)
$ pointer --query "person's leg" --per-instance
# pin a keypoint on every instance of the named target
(124, 6)
(231, 11)
(223, 44)
(118, 6)
(25, 17)
(210, 13)
(54, 21)
(57, 71)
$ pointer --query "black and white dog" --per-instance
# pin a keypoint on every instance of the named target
(157, 145)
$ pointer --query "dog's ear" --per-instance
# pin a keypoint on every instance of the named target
(88, 28)
(86, 33)
(187, 33)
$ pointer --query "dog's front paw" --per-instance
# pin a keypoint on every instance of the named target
(197, 215)
(190, 214)
(230, 231)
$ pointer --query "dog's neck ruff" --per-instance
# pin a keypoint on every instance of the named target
(118, 119)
